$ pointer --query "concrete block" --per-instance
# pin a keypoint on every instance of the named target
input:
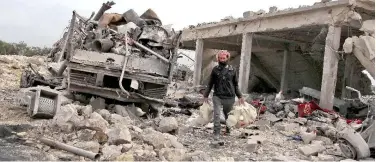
(258, 139)
(248, 14)
(262, 122)
(323, 157)
(98, 103)
(288, 127)
(252, 145)
(325, 140)
(317, 142)
(312, 149)
(301, 121)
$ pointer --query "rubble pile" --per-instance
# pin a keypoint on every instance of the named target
(13, 65)
(124, 132)
(81, 126)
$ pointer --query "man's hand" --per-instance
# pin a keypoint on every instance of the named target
(241, 101)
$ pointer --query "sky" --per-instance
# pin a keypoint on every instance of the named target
(41, 22)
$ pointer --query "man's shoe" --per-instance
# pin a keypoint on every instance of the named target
(227, 131)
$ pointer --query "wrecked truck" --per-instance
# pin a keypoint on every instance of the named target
(124, 57)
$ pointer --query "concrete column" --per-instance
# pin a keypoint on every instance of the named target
(245, 62)
(329, 75)
(198, 62)
(285, 69)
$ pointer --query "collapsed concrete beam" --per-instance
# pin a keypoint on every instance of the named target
(330, 68)
(283, 20)
(342, 105)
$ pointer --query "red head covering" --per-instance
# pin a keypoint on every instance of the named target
(223, 52)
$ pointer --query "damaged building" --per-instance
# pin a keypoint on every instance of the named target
(324, 52)
(286, 50)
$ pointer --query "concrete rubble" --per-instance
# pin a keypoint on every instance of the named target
(268, 127)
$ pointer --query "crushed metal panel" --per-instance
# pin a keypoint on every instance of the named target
(97, 58)
(137, 76)
(149, 65)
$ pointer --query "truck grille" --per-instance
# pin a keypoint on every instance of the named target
(82, 77)
(156, 92)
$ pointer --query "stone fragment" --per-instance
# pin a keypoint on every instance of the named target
(317, 142)
(98, 103)
(262, 122)
(127, 147)
(6, 60)
(347, 160)
(105, 114)
(300, 120)
(65, 101)
(172, 154)
(121, 110)
(85, 134)
(288, 126)
(280, 158)
(168, 124)
(291, 115)
(136, 129)
(280, 114)
(119, 135)
(96, 120)
(66, 127)
(143, 153)
(118, 119)
(259, 139)
(260, 12)
(271, 117)
(173, 141)
(86, 111)
(154, 138)
(66, 118)
(223, 158)
(312, 149)
(89, 146)
(326, 140)
(252, 145)
(348, 45)
(248, 14)
(368, 26)
(197, 156)
(323, 157)
(307, 137)
(125, 157)
(110, 152)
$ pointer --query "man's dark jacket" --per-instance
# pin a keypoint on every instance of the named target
(224, 78)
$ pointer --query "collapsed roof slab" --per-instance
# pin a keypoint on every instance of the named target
(318, 14)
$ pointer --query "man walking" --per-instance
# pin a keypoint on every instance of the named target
(224, 78)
